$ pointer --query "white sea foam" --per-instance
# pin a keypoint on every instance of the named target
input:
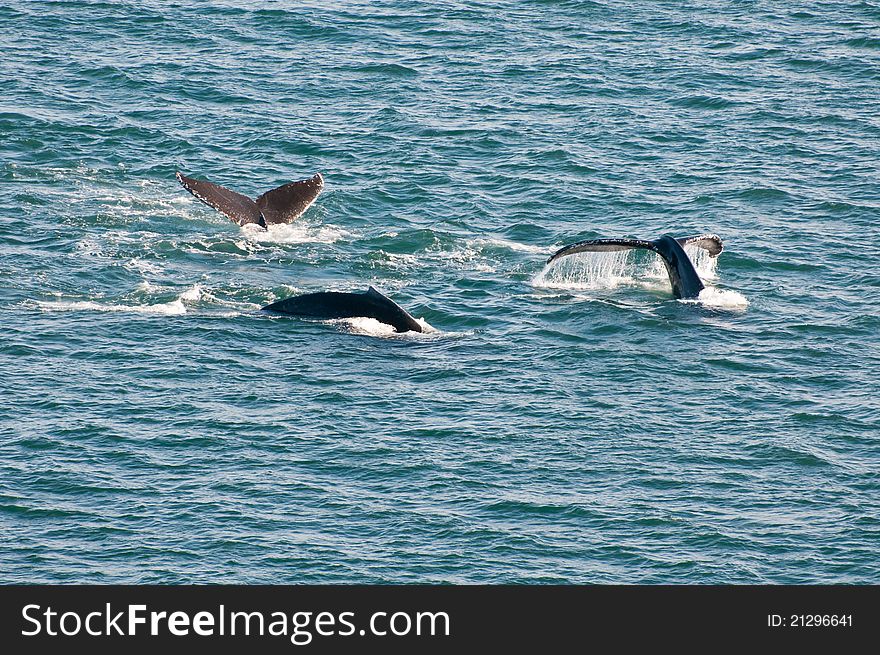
(465, 258)
(721, 299)
(364, 325)
(400, 260)
(123, 202)
(90, 247)
(510, 245)
(462, 258)
(174, 307)
(142, 266)
(299, 232)
(193, 294)
(374, 328)
(145, 198)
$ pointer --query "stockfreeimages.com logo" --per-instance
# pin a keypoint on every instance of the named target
(300, 627)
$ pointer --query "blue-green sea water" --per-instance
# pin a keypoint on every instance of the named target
(576, 424)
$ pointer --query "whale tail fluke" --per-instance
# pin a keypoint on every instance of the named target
(683, 276)
(282, 205)
(602, 245)
(238, 207)
(290, 201)
(710, 242)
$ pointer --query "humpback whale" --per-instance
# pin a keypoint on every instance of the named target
(282, 205)
(335, 304)
(685, 281)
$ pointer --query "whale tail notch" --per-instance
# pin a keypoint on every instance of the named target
(281, 205)
(683, 276)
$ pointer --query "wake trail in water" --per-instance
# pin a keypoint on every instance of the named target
(194, 296)
(172, 308)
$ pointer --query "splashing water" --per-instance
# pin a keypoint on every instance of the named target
(600, 270)
(295, 233)
(609, 270)
(705, 265)
(720, 299)
(193, 294)
(374, 328)
(365, 326)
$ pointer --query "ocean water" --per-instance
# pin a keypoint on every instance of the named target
(575, 424)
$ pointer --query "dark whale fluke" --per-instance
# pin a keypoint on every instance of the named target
(335, 304)
(281, 205)
(682, 274)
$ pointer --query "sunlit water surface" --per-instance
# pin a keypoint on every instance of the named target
(572, 424)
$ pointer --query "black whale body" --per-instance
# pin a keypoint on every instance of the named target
(326, 305)
(683, 276)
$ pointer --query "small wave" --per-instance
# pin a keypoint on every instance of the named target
(763, 193)
(389, 69)
(398, 260)
(703, 102)
(866, 42)
(147, 287)
(136, 201)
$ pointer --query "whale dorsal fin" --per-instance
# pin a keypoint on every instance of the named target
(341, 304)
(289, 201)
(710, 242)
(401, 319)
(236, 206)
